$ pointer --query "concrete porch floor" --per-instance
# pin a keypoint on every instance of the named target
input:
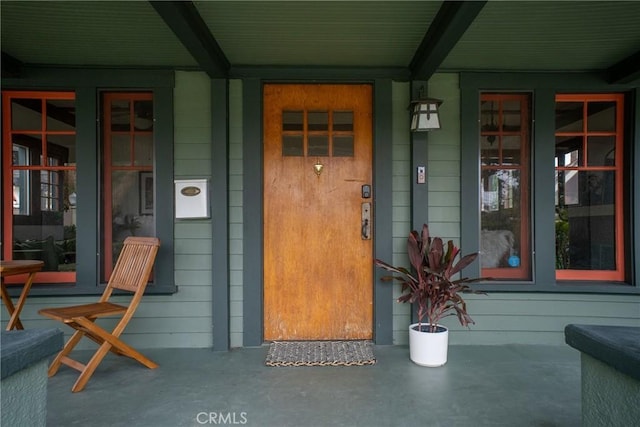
(510, 385)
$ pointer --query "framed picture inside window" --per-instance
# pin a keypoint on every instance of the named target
(145, 188)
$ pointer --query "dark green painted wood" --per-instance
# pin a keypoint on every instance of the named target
(86, 183)
(186, 23)
(69, 78)
(220, 211)
(252, 207)
(625, 71)
(382, 190)
(163, 181)
(544, 87)
(302, 74)
(446, 29)
(635, 191)
(543, 178)
(419, 157)
(470, 175)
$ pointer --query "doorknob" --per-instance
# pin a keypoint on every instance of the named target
(365, 230)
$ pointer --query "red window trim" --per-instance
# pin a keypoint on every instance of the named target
(7, 181)
(618, 273)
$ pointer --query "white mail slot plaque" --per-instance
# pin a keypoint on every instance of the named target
(192, 198)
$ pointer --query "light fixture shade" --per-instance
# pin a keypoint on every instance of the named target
(425, 115)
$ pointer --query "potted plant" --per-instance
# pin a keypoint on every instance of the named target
(436, 294)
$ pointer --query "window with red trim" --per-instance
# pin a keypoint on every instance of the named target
(39, 181)
(127, 181)
(505, 140)
(588, 187)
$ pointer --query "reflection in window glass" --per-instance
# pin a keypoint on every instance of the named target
(120, 115)
(343, 146)
(292, 145)
(318, 145)
(318, 121)
(26, 114)
(585, 220)
(343, 121)
(293, 121)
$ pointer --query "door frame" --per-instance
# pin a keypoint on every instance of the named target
(252, 161)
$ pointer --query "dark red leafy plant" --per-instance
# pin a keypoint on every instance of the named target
(429, 285)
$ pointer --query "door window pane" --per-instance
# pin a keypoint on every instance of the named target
(292, 145)
(318, 121)
(318, 145)
(293, 121)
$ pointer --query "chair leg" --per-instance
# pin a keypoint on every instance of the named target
(90, 368)
(68, 347)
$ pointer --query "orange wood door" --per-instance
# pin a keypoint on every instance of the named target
(318, 275)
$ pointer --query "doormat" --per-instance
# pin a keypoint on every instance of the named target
(320, 353)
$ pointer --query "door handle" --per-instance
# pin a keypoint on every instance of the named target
(365, 229)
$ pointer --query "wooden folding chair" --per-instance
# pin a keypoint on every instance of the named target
(131, 273)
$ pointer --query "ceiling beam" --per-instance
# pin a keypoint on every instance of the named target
(450, 23)
(187, 24)
(625, 71)
(11, 66)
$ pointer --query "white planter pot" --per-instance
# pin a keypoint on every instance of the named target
(428, 348)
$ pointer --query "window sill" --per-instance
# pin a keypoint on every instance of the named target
(66, 290)
(559, 287)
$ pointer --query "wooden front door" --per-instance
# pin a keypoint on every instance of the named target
(318, 253)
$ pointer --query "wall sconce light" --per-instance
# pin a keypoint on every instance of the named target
(72, 199)
(424, 113)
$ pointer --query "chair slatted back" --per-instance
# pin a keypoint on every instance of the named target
(134, 264)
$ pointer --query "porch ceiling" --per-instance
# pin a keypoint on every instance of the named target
(417, 38)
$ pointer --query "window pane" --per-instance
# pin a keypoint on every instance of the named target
(343, 121)
(511, 116)
(132, 207)
(292, 121)
(511, 150)
(569, 116)
(569, 152)
(343, 146)
(143, 149)
(501, 219)
(292, 145)
(489, 150)
(27, 150)
(120, 115)
(318, 121)
(318, 145)
(585, 221)
(602, 116)
(61, 114)
(45, 228)
(143, 111)
(120, 150)
(61, 149)
(26, 114)
(601, 150)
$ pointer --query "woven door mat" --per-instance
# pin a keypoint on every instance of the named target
(320, 353)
